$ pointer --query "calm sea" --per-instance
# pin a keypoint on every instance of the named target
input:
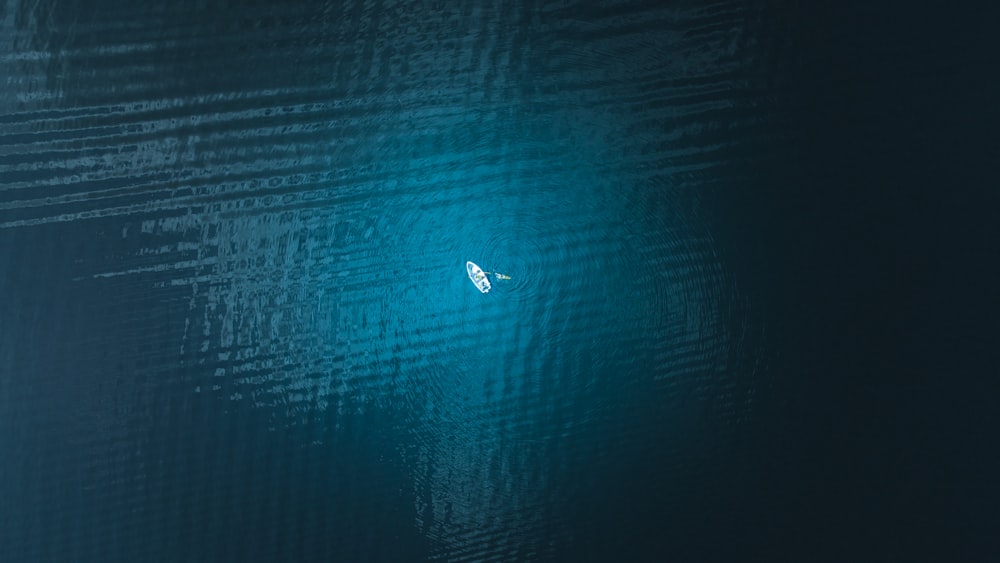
(236, 325)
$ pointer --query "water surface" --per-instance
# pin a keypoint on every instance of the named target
(236, 319)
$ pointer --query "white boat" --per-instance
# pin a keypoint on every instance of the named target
(478, 277)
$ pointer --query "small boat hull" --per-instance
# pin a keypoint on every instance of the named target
(478, 277)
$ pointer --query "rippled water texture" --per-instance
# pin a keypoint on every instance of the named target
(236, 317)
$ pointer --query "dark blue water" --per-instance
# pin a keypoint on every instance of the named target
(236, 323)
